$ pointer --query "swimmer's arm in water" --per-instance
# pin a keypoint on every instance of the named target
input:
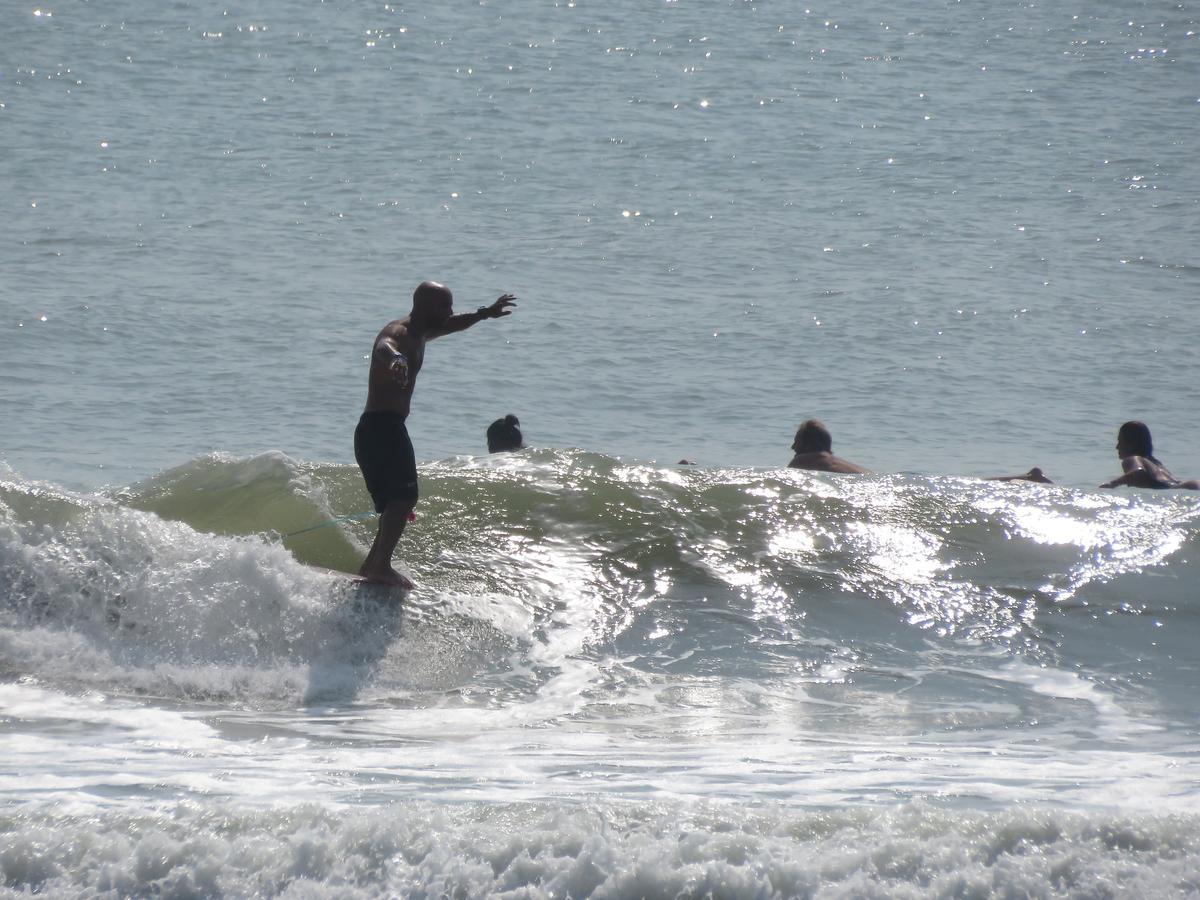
(1034, 474)
(496, 310)
(1137, 474)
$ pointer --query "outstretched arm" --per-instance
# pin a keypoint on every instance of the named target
(1034, 474)
(458, 323)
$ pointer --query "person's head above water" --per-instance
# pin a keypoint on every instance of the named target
(1133, 439)
(433, 303)
(505, 434)
(812, 437)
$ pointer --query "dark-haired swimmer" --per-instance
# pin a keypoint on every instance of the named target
(381, 444)
(1142, 469)
(814, 450)
(505, 434)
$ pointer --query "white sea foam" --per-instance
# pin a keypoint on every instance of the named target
(588, 849)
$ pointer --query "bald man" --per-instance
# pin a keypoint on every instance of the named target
(381, 444)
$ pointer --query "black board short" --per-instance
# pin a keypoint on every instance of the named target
(385, 454)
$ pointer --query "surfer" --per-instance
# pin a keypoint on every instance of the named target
(1142, 469)
(381, 444)
(505, 434)
(814, 450)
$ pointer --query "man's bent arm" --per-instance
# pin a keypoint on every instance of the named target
(387, 354)
(386, 349)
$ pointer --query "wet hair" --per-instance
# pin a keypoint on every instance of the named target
(813, 437)
(505, 434)
(1136, 437)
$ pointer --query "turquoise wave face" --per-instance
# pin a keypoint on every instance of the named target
(523, 560)
(584, 626)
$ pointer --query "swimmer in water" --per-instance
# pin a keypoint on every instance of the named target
(813, 447)
(504, 435)
(1142, 468)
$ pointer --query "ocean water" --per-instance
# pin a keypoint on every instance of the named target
(962, 234)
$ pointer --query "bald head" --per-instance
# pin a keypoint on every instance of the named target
(428, 291)
(433, 303)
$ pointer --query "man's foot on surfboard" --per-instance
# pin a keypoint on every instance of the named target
(401, 584)
(391, 578)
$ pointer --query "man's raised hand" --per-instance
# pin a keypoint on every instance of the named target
(501, 306)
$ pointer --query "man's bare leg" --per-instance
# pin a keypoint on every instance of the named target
(378, 564)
